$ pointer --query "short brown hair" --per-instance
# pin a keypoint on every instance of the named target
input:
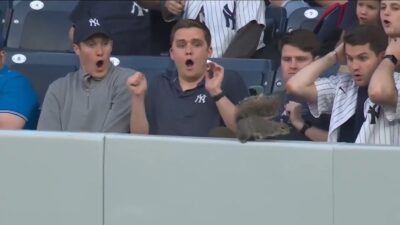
(189, 23)
(367, 34)
(303, 39)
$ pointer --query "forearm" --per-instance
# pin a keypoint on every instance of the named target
(302, 84)
(313, 133)
(227, 110)
(316, 134)
(382, 89)
(138, 120)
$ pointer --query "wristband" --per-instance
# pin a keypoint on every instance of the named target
(305, 127)
(217, 97)
(392, 58)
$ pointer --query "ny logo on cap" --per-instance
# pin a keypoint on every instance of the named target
(93, 22)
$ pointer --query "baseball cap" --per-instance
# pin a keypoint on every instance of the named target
(87, 27)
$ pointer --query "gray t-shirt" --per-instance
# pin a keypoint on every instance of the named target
(77, 102)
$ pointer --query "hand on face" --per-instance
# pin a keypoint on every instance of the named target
(137, 84)
(213, 78)
(340, 54)
(394, 48)
(175, 6)
(294, 110)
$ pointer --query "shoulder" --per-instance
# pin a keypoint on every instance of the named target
(13, 79)
(162, 81)
(61, 84)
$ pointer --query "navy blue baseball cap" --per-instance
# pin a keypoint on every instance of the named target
(87, 27)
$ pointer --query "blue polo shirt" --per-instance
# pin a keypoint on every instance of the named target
(171, 111)
(18, 97)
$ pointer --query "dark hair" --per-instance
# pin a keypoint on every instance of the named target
(367, 34)
(303, 39)
(189, 23)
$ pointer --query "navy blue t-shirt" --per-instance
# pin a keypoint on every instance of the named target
(171, 111)
(128, 23)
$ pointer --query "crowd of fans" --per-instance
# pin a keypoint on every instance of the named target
(359, 105)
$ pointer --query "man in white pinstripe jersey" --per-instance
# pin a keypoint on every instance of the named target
(355, 117)
(385, 82)
(236, 26)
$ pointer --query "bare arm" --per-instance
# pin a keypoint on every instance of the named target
(171, 9)
(226, 108)
(137, 85)
(11, 121)
(302, 84)
(294, 110)
(382, 89)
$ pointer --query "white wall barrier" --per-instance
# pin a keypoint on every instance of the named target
(96, 179)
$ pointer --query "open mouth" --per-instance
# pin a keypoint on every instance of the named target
(386, 22)
(189, 63)
(100, 63)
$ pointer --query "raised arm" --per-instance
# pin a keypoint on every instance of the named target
(226, 108)
(137, 85)
(382, 88)
(302, 84)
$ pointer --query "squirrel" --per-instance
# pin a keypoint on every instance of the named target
(254, 118)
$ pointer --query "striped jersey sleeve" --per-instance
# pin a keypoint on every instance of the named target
(326, 91)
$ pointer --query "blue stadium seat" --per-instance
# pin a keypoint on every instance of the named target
(304, 18)
(42, 68)
(41, 25)
(257, 73)
(350, 19)
(5, 17)
(276, 20)
(151, 66)
(328, 30)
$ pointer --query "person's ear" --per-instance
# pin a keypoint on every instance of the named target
(76, 49)
(171, 53)
(210, 51)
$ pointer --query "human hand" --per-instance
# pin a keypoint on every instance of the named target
(294, 111)
(340, 55)
(137, 84)
(394, 48)
(213, 78)
(175, 7)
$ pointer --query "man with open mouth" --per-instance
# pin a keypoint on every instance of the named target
(192, 100)
(356, 116)
(94, 98)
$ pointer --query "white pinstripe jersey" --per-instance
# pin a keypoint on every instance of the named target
(338, 95)
(224, 19)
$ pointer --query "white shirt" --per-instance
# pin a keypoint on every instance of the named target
(224, 18)
(338, 95)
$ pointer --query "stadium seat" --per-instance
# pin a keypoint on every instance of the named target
(350, 19)
(257, 73)
(275, 19)
(41, 25)
(42, 68)
(328, 29)
(151, 66)
(304, 18)
(5, 16)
